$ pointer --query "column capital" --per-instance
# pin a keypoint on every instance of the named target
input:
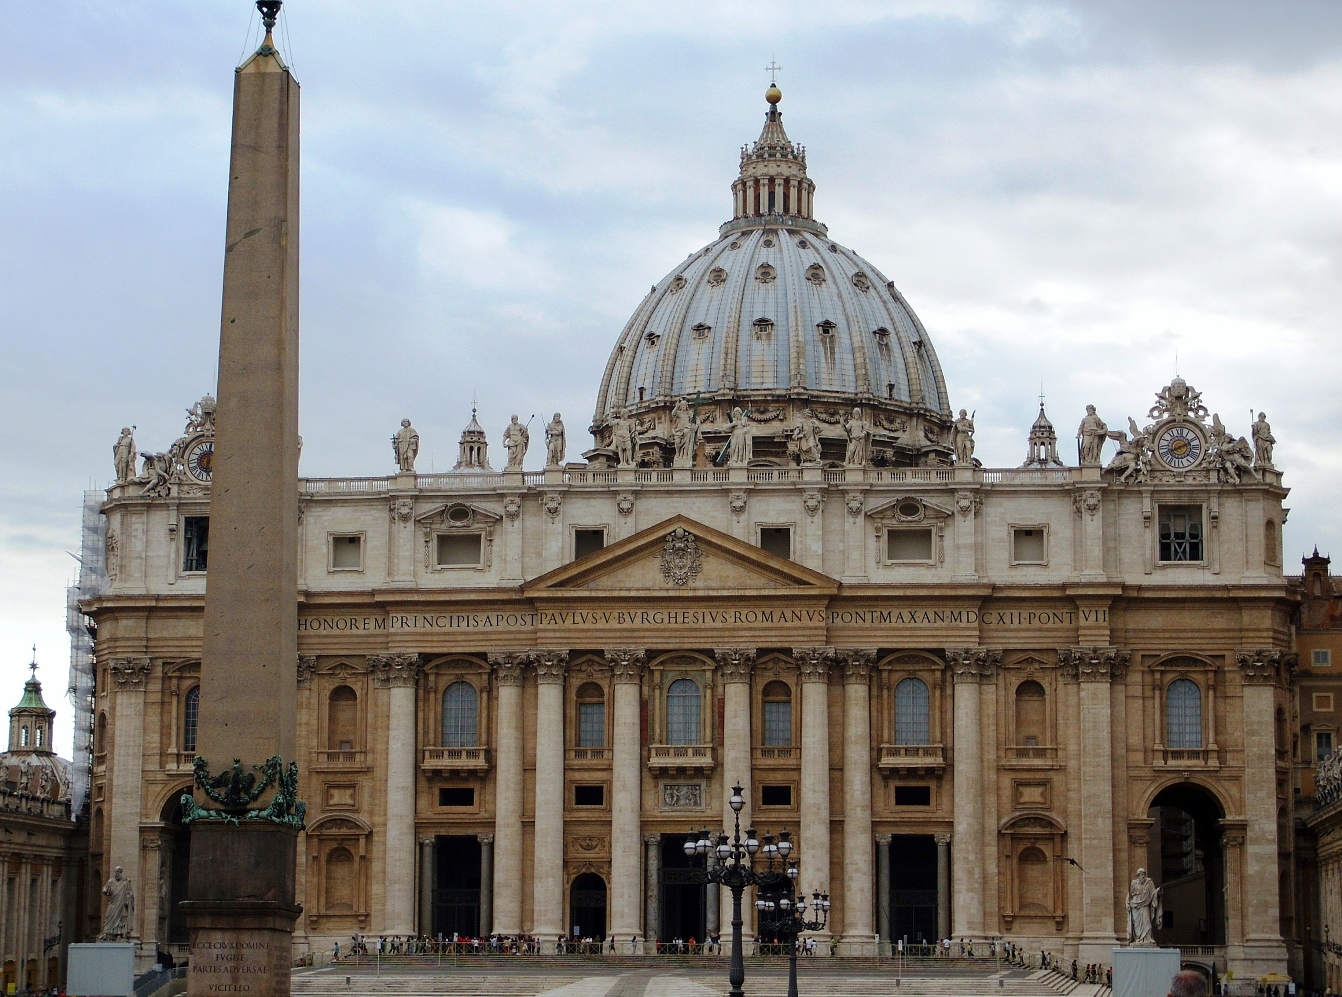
(550, 665)
(652, 839)
(427, 839)
(1265, 665)
(485, 839)
(307, 664)
(398, 670)
(813, 662)
(736, 662)
(942, 839)
(883, 839)
(130, 673)
(857, 662)
(1094, 664)
(509, 667)
(626, 663)
(973, 664)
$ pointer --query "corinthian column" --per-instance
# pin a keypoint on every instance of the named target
(969, 665)
(129, 677)
(626, 867)
(399, 675)
(509, 670)
(547, 903)
(813, 668)
(735, 664)
(1096, 668)
(857, 934)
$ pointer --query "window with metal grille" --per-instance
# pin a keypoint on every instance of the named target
(913, 715)
(682, 712)
(195, 542)
(777, 715)
(1183, 714)
(591, 725)
(191, 719)
(461, 708)
(1180, 533)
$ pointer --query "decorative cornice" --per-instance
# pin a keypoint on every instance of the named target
(130, 673)
(813, 662)
(971, 664)
(510, 667)
(735, 662)
(398, 670)
(1265, 665)
(626, 663)
(1094, 664)
(857, 662)
(307, 664)
(550, 665)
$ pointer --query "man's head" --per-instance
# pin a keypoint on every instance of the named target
(1188, 984)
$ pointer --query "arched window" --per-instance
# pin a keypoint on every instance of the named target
(461, 714)
(40, 731)
(190, 718)
(682, 712)
(342, 719)
(777, 714)
(591, 716)
(1031, 717)
(339, 881)
(1183, 714)
(913, 714)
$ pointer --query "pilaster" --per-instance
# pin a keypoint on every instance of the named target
(547, 913)
(813, 665)
(969, 666)
(626, 871)
(399, 673)
(736, 665)
(130, 676)
(858, 938)
(509, 670)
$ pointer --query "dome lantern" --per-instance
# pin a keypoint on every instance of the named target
(30, 722)
(772, 184)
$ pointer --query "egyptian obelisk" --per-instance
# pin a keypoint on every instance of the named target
(244, 818)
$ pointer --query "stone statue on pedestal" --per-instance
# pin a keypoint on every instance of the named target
(1144, 910)
(684, 433)
(858, 452)
(554, 442)
(807, 434)
(405, 444)
(516, 439)
(1092, 433)
(964, 438)
(123, 456)
(741, 446)
(119, 918)
(1262, 441)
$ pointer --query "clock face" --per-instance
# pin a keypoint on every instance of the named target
(1180, 447)
(200, 460)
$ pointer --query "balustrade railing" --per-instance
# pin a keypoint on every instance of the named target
(672, 756)
(456, 759)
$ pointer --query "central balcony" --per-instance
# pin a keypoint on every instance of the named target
(777, 754)
(339, 759)
(455, 760)
(912, 759)
(680, 758)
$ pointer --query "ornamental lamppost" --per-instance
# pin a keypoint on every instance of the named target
(735, 870)
(783, 910)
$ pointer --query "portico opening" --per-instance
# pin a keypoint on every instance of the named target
(587, 907)
(1186, 860)
(913, 888)
(683, 898)
(456, 892)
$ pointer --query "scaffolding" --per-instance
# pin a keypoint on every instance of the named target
(92, 582)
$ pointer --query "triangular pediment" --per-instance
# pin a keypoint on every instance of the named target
(682, 556)
(457, 515)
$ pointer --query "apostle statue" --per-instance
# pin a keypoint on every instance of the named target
(119, 918)
(741, 445)
(1144, 909)
(1092, 433)
(807, 434)
(858, 429)
(964, 438)
(123, 456)
(405, 444)
(554, 442)
(624, 439)
(684, 433)
(1262, 442)
(516, 439)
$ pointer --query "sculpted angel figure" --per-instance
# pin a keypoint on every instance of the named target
(1262, 441)
(684, 433)
(1131, 456)
(807, 434)
(119, 917)
(123, 456)
(405, 444)
(623, 435)
(1092, 433)
(741, 446)
(1144, 909)
(516, 439)
(554, 442)
(964, 438)
(157, 474)
(1236, 458)
(858, 451)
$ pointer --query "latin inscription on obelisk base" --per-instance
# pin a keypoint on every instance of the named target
(244, 813)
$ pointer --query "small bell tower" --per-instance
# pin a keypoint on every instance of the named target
(473, 451)
(1043, 442)
(30, 722)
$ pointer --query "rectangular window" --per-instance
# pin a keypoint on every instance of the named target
(456, 796)
(587, 542)
(1321, 658)
(909, 545)
(347, 553)
(777, 723)
(459, 550)
(591, 725)
(589, 796)
(913, 796)
(1323, 702)
(776, 540)
(1027, 545)
(195, 542)
(1323, 744)
(1181, 533)
(775, 796)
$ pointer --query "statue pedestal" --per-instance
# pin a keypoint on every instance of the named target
(1144, 972)
(101, 968)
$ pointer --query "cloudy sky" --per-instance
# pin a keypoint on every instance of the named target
(1069, 195)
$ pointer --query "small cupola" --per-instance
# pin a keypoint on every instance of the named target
(473, 451)
(1043, 443)
(30, 722)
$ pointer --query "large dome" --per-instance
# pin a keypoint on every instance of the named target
(776, 317)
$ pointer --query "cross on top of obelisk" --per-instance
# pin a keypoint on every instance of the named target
(773, 70)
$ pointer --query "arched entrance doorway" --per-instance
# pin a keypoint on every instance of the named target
(1185, 858)
(175, 854)
(587, 907)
